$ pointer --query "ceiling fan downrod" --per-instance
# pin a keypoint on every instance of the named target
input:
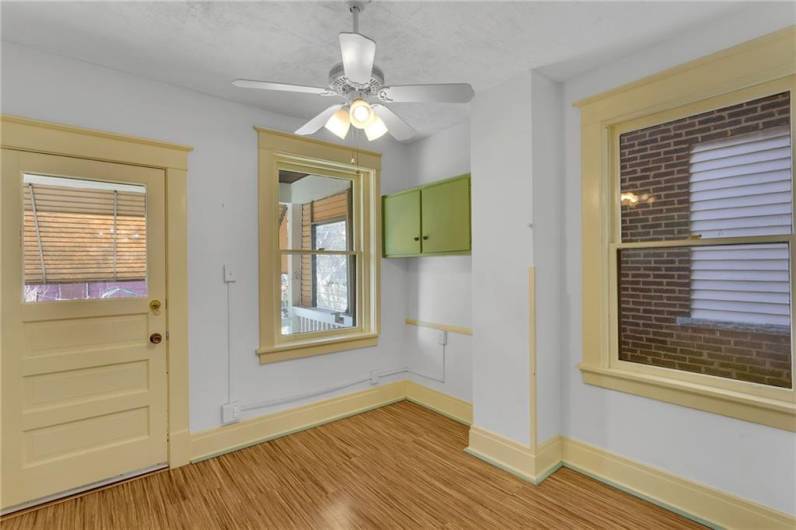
(355, 8)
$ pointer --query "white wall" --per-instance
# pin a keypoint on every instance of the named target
(548, 249)
(439, 287)
(500, 159)
(222, 215)
(518, 203)
(748, 460)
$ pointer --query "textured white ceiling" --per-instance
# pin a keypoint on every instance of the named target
(204, 46)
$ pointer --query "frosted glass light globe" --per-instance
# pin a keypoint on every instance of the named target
(361, 113)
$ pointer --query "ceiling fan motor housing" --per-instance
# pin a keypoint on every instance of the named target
(343, 86)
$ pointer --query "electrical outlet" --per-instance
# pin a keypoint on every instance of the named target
(443, 338)
(230, 413)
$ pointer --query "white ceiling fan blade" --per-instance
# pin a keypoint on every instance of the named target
(396, 126)
(282, 87)
(358, 53)
(442, 93)
(318, 121)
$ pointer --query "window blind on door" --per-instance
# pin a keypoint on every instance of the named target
(78, 230)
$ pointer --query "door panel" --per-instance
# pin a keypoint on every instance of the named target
(52, 388)
(446, 216)
(401, 221)
(84, 390)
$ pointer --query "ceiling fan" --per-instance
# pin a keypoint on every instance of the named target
(361, 84)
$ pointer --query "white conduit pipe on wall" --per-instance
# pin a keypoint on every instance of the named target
(373, 378)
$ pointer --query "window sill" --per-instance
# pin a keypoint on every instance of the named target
(773, 413)
(296, 350)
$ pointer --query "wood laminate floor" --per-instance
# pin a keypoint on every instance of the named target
(399, 466)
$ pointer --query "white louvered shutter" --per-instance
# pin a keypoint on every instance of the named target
(741, 186)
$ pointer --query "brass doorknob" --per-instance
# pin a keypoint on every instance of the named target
(156, 338)
(154, 305)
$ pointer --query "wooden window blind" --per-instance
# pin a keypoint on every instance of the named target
(83, 231)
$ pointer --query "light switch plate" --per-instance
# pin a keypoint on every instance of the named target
(229, 277)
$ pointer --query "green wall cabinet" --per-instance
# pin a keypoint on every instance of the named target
(430, 220)
(401, 221)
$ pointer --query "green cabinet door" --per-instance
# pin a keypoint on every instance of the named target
(401, 222)
(446, 216)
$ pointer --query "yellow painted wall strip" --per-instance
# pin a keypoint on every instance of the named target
(461, 330)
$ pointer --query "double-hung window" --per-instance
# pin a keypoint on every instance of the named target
(319, 242)
(688, 238)
(702, 254)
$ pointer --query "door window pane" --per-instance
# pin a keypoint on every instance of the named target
(83, 239)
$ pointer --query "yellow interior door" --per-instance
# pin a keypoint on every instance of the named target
(83, 372)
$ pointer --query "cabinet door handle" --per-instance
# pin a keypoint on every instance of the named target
(425, 237)
(417, 238)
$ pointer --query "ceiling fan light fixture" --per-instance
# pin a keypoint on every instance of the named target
(361, 113)
(339, 123)
(375, 129)
(357, 80)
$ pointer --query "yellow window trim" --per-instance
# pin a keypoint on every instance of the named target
(750, 70)
(278, 150)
